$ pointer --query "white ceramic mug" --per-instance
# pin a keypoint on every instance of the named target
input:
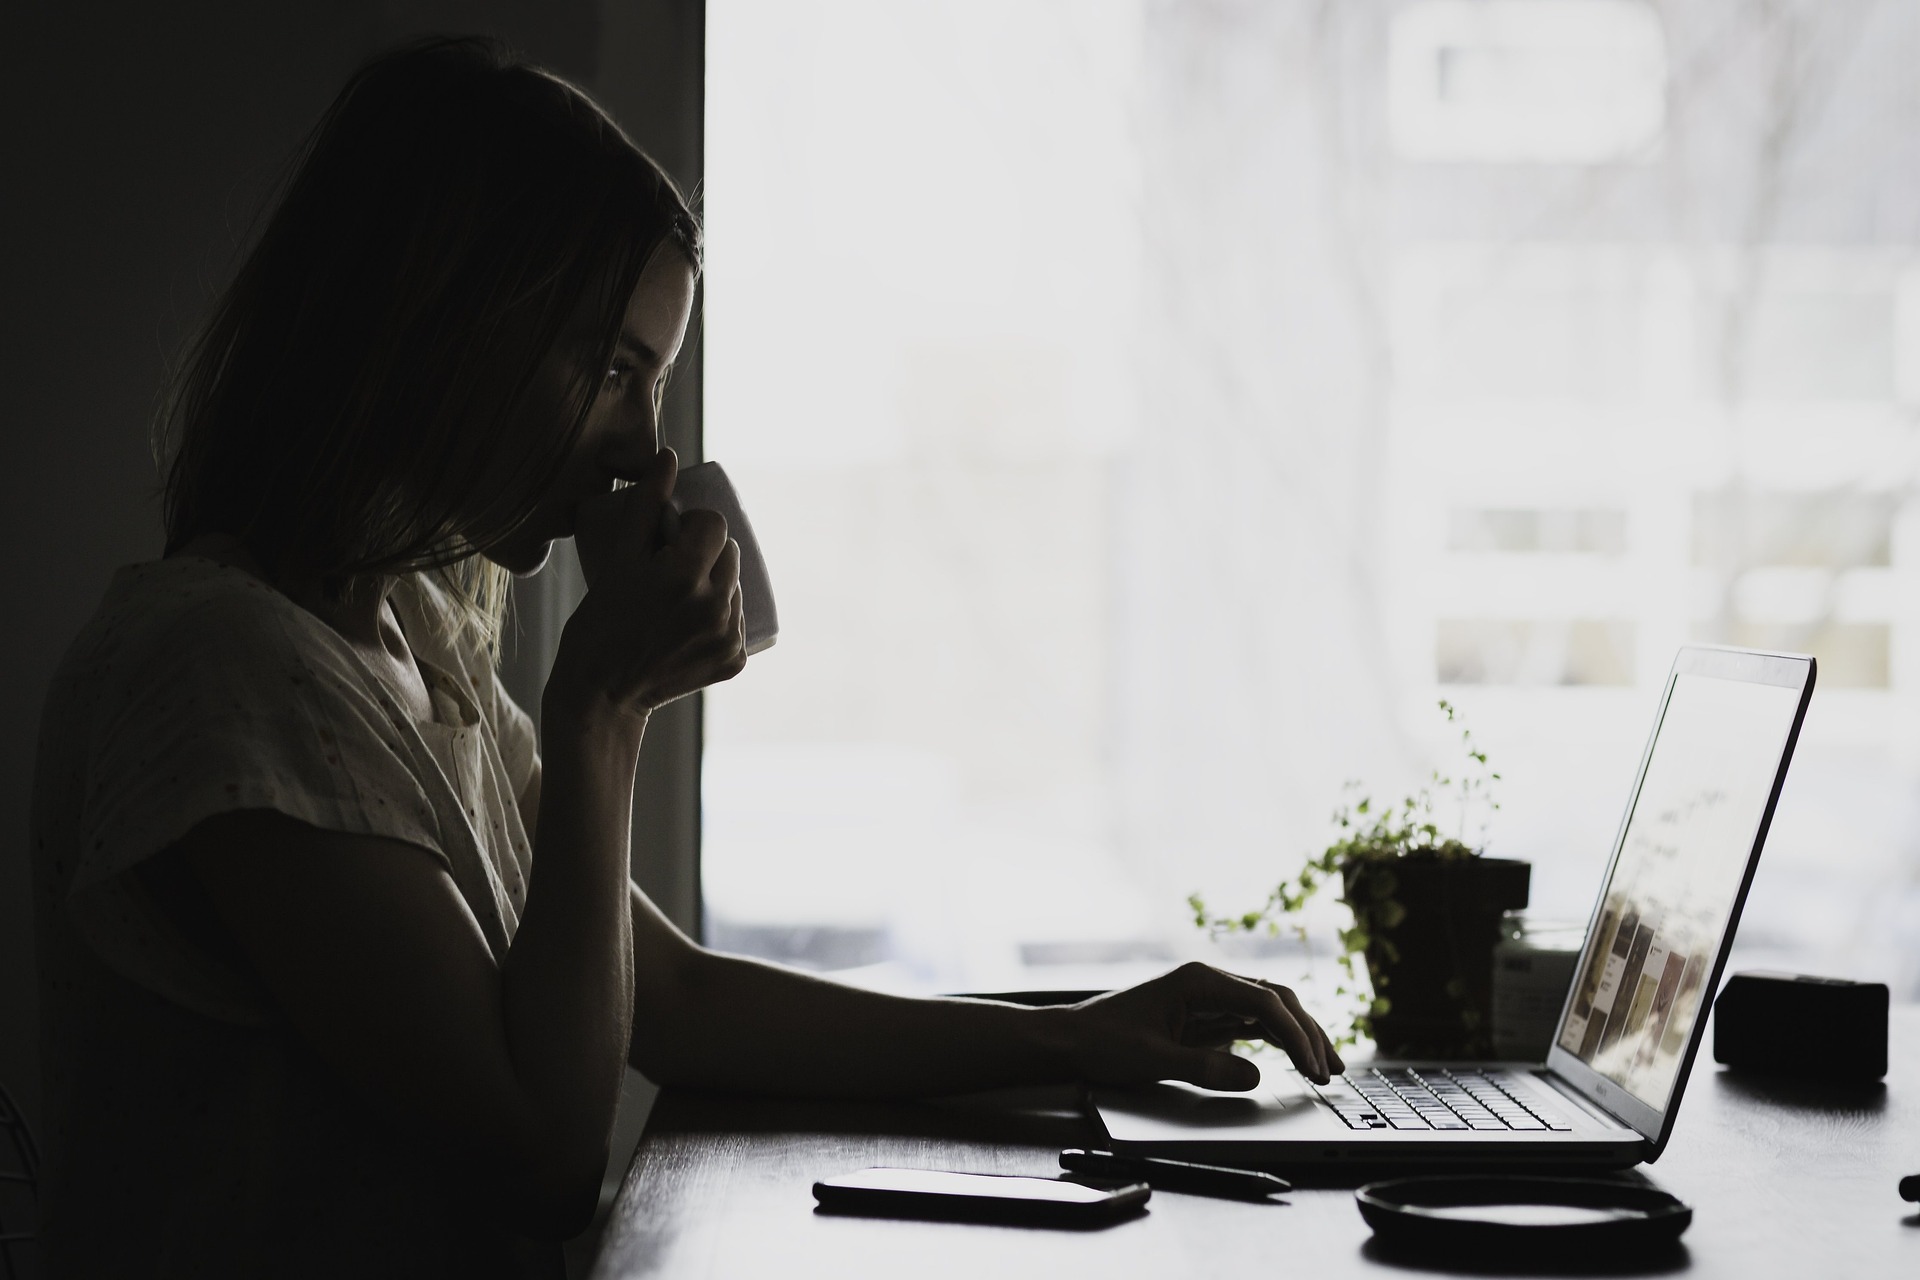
(704, 486)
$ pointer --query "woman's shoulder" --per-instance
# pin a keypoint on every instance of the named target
(191, 633)
(185, 612)
(197, 685)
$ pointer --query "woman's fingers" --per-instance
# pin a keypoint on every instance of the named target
(664, 616)
(1178, 1027)
(1214, 1069)
(655, 477)
(628, 524)
(1329, 1055)
(702, 541)
(649, 491)
(1214, 1030)
(1217, 1030)
(1216, 991)
(725, 574)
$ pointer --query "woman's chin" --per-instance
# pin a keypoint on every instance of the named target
(523, 561)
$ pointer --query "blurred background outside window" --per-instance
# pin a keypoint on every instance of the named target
(1150, 409)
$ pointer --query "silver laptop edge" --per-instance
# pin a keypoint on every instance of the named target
(1655, 1124)
(1287, 1122)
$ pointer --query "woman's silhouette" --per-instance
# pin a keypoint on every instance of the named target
(340, 975)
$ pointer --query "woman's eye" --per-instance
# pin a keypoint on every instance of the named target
(617, 375)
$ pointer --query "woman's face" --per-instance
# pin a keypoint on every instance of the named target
(622, 431)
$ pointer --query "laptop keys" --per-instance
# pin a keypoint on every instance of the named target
(1387, 1104)
(1486, 1091)
(1351, 1107)
(1414, 1099)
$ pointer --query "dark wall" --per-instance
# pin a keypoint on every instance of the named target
(139, 139)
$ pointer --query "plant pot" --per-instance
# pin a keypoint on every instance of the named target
(1434, 964)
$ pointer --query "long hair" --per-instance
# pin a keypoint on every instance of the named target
(366, 399)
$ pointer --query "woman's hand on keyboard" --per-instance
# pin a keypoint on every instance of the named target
(1179, 1027)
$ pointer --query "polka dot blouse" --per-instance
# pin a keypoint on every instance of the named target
(180, 1110)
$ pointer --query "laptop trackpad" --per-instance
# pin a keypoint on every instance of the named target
(1284, 1106)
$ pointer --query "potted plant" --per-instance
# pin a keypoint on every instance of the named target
(1426, 913)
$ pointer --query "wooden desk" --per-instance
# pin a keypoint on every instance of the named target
(1785, 1180)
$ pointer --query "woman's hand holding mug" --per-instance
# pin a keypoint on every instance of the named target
(662, 615)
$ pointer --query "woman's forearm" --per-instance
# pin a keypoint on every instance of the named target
(707, 1020)
(717, 1021)
(567, 985)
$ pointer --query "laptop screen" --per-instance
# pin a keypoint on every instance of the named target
(1683, 856)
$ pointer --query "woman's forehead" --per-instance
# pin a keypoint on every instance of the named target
(648, 315)
(661, 304)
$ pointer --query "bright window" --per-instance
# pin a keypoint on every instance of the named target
(1150, 410)
(1562, 81)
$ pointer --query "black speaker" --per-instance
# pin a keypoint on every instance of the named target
(1794, 1025)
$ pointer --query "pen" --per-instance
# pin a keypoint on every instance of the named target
(1175, 1175)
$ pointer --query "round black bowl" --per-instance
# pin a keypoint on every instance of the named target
(1563, 1218)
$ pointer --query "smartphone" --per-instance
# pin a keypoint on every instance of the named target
(977, 1197)
(706, 486)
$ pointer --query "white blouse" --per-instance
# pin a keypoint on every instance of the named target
(191, 1132)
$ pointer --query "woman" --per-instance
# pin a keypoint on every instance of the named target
(341, 976)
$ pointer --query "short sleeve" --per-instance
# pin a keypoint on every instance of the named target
(237, 702)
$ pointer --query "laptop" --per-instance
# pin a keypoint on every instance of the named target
(1608, 1093)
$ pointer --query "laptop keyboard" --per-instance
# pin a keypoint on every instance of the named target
(1434, 1098)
